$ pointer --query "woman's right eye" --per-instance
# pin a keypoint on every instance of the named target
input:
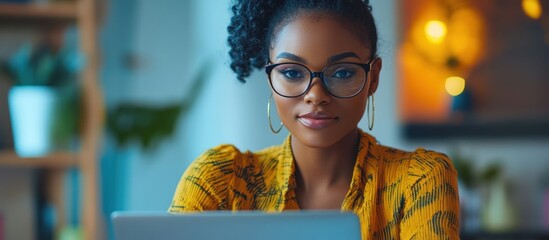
(291, 73)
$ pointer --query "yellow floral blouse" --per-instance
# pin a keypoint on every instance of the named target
(396, 194)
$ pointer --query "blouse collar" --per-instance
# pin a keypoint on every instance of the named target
(286, 176)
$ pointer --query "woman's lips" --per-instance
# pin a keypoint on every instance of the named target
(316, 120)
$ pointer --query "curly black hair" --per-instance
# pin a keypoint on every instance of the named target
(255, 22)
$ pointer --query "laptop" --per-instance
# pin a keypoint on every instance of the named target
(241, 225)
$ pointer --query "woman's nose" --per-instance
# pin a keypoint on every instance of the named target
(317, 94)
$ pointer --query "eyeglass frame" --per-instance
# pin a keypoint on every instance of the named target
(366, 66)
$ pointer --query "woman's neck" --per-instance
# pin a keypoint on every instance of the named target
(322, 168)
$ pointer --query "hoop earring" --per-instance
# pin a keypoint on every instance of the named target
(269, 117)
(370, 122)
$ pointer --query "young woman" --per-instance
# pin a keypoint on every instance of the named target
(320, 59)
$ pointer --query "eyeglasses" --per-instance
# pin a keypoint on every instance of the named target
(342, 80)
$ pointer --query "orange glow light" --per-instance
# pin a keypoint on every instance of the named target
(532, 8)
(455, 85)
(435, 31)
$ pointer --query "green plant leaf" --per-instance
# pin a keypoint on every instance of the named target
(465, 169)
(491, 173)
(146, 124)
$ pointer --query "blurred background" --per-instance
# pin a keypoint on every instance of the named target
(103, 105)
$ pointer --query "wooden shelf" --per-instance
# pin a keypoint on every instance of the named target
(84, 15)
(65, 12)
(54, 160)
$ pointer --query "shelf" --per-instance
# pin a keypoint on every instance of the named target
(54, 160)
(37, 13)
(40, 19)
(472, 130)
(524, 234)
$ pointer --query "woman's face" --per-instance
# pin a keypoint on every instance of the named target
(316, 118)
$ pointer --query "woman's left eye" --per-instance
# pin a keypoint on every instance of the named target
(343, 74)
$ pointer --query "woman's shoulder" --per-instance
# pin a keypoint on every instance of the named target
(216, 161)
(424, 160)
(420, 156)
(218, 154)
(225, 158)
(419, 169)
(418, 162)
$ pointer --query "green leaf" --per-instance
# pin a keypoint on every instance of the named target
(491, 173)
(464, 168)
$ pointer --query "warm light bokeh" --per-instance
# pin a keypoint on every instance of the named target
(532, 8)
(465, 40)
(455, 85)
(435, 31)
(437, 45)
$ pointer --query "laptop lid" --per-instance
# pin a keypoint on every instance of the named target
(228, 225)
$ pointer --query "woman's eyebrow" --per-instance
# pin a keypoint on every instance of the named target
(291, 56)
(341, 56)
(332, 59)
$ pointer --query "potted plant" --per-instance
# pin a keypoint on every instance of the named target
(43, 100)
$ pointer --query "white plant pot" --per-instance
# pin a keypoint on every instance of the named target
(498, 211)
(32, 111)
